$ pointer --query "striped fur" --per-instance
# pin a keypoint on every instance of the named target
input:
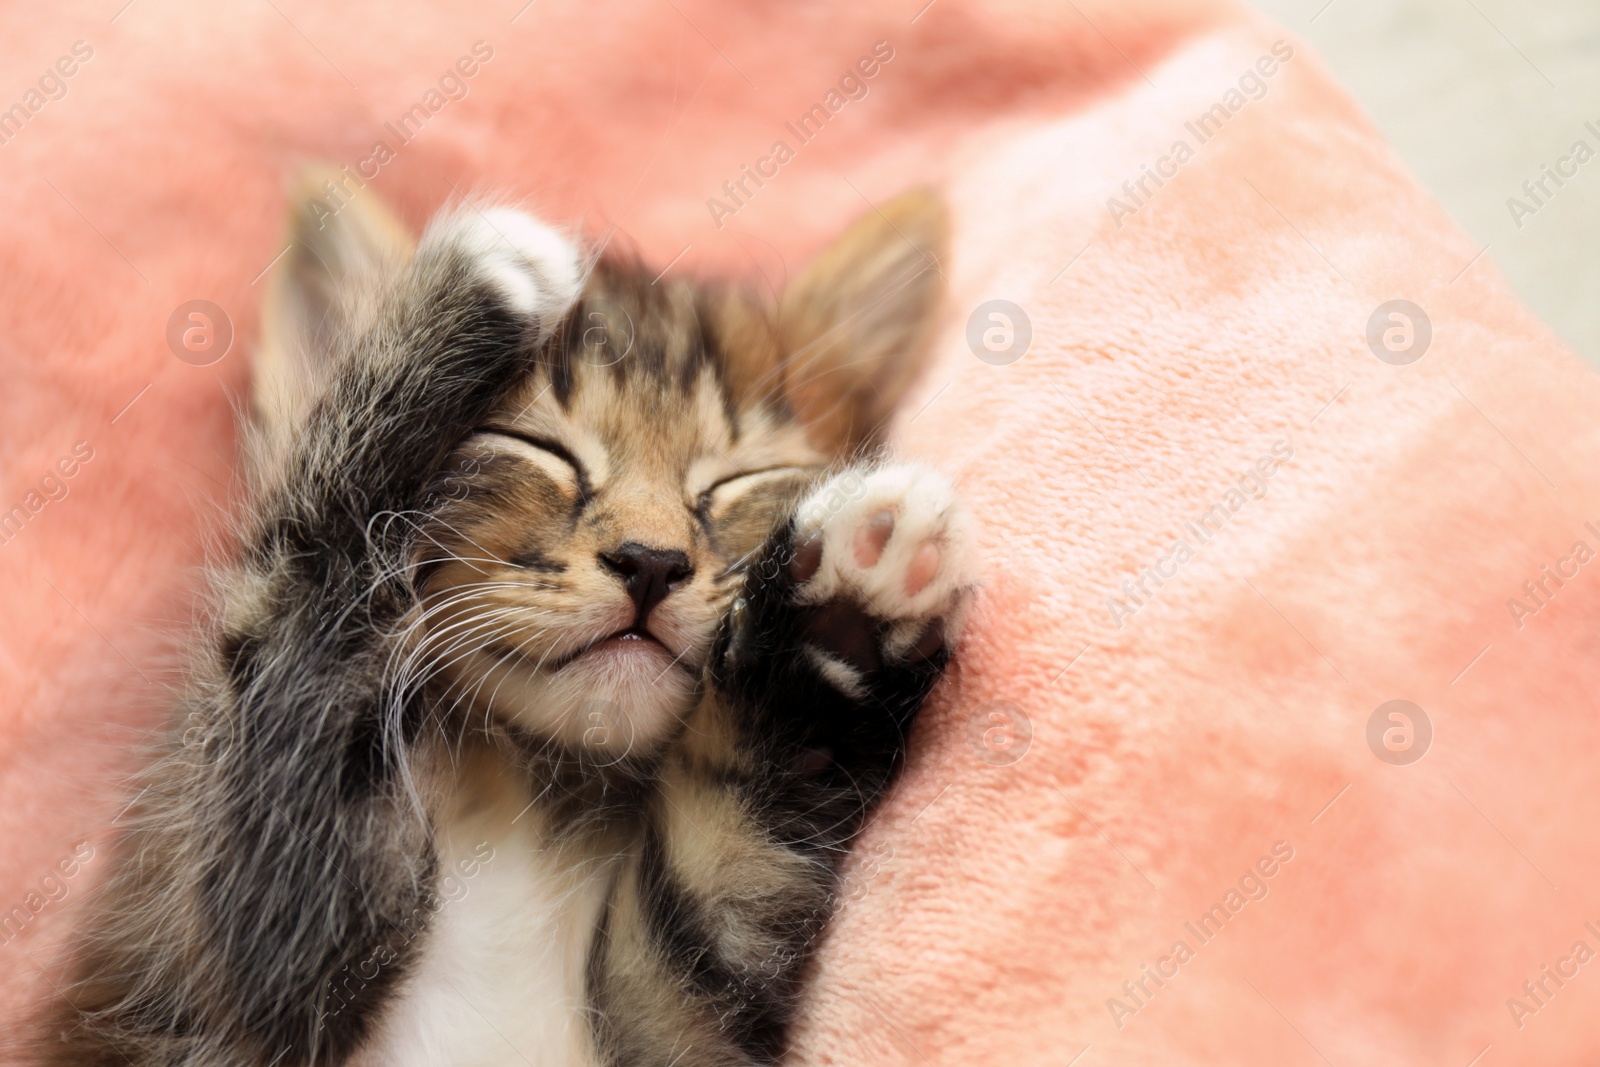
(565, 650)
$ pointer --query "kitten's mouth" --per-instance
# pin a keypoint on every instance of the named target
(634, 640)
(622, 638)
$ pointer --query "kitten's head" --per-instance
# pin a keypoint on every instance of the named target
(579, 549)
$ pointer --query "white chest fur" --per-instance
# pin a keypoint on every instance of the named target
(499, 979)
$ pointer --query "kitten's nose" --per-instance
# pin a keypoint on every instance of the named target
(648, 574)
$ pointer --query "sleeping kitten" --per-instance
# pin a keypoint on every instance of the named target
(568, 644)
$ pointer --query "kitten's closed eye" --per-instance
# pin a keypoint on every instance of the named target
(717, 497)
(550, 448)
(738, 511)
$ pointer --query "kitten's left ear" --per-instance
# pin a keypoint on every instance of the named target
(339, 257)
(856, 326)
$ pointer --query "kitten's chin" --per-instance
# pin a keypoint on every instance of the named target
(618, 698)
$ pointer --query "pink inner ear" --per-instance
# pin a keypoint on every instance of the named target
(856, 325)
(871, 538)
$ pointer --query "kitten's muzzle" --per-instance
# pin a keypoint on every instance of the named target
(648, 574)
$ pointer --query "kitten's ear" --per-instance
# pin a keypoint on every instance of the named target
(855, 327)
(341, 251)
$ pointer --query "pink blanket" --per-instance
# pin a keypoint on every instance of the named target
(1237, 502)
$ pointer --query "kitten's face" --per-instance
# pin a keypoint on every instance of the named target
(583, 545)
(591, 534)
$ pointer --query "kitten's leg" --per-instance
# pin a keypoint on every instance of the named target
(275, 871)
(846, 621)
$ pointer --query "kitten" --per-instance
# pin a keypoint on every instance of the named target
(568, 644)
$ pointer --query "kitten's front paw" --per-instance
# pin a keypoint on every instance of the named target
(885, 557)
(535, 270)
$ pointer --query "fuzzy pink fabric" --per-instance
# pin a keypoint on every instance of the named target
(1210, 751)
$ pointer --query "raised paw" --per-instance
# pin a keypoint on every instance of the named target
(536, 270)
(884, 558)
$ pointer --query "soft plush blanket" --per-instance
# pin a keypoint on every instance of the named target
(1237, 501)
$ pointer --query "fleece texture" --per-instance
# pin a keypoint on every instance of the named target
(1144, 823)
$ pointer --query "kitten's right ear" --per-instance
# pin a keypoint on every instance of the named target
(857, 325)
(341, 251)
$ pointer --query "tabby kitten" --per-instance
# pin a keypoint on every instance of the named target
(568, 643)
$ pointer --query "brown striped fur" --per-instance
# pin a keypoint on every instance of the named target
(595, 568)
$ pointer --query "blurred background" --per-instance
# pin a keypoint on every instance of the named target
(1478, 97)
